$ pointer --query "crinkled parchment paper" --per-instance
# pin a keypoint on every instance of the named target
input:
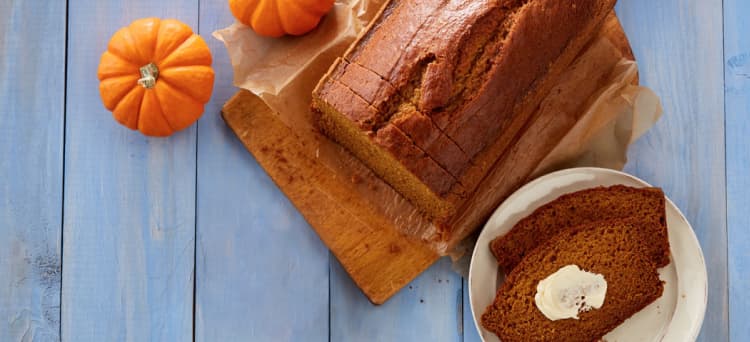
(283, 72)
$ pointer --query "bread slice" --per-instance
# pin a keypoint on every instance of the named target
(432, 84)
(618, 249)
(602, 203)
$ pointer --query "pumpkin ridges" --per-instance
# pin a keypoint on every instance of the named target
(152, 121)
(275, 18)
(266, 20)
(194, 51)
(318, 7)
(175, 101)
(172, 34)
(146, 30)
(297, 20)
(156, 76)
(122, 45)
(242, 9)
(111, 65)
(195, 81)
(127, 110)
(114, 89)
(161, 110)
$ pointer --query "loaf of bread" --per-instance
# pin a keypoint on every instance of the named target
(432, 84)
(602, 203)
(617, 249)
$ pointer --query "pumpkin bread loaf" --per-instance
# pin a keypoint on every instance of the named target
(435, 84)
(617, 249)
(602, 203)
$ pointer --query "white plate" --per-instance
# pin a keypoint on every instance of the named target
(676, 316)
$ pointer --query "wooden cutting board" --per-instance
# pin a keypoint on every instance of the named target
(342, 203)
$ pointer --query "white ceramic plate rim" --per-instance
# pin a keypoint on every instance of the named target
(692, 281)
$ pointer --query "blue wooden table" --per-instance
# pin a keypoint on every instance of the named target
(106, 235)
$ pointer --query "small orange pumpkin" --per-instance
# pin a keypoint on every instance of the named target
(156, 76)
(275, 18)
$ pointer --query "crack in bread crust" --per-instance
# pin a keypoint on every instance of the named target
(431, 84)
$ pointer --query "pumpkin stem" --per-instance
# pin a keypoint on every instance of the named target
(149, 74)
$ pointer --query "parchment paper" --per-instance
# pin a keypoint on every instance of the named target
(277, 70)
(283, 73)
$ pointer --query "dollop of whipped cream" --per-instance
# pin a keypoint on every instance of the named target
(570, 291)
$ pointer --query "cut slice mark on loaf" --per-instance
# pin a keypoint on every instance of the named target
(408, 97)
(376, 92)
(400, 104)
(476, 54)
(485, 49)
(402, 177)
(495, 152)
(402, 101)
(406, 101)
(525, 154)
(415, 182)
(374, 132)
(408, 94)
(372, 52)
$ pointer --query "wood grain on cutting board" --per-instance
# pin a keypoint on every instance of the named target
(367, 242)
(378, 258)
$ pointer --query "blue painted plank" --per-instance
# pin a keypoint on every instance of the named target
(262, 273)
(428, 309)
(32, 94)
(129, 220)
(737, 97)
(678, 44)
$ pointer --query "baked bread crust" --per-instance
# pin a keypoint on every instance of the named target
(581, 207)
(435, 91)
